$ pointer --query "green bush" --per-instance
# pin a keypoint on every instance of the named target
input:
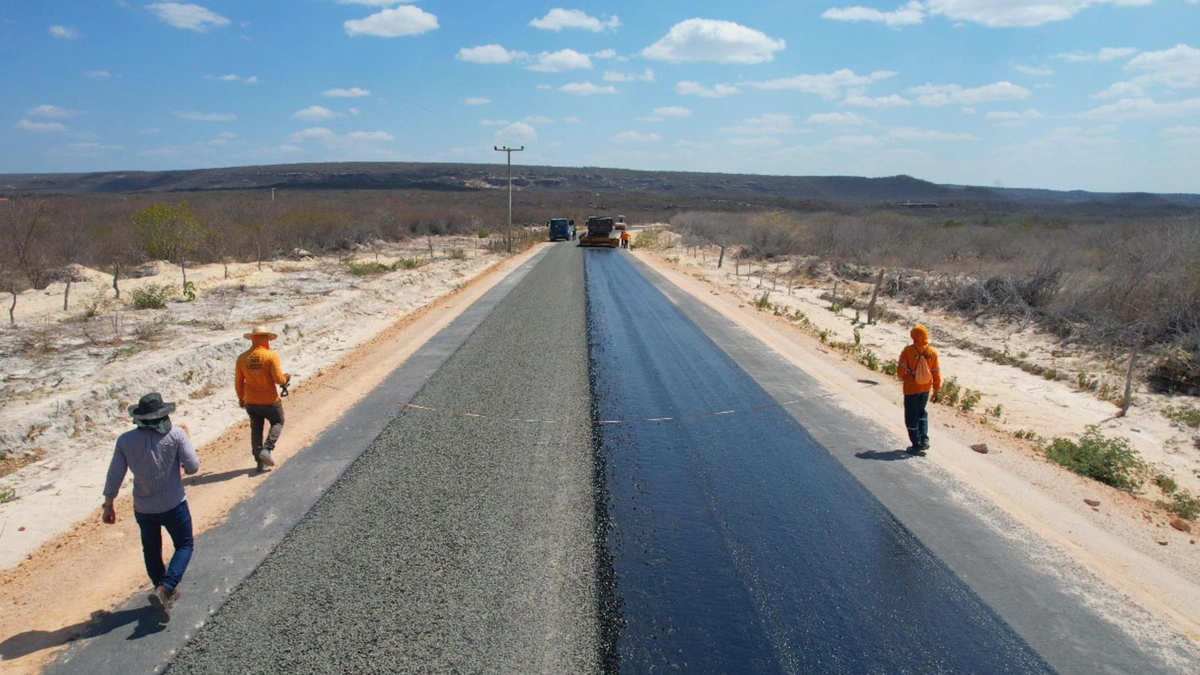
(1108, 460)
(763, 302)
(365, 269)
(1183, 414)
(484, 234)
(1184, 505)
(458, 254)
(408, 264)
(152, 296)
(889, 367)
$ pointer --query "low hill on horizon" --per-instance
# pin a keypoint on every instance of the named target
(853, 190)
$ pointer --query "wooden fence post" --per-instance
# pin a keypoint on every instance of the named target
(874, 294)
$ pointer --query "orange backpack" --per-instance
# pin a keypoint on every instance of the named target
(922, 374)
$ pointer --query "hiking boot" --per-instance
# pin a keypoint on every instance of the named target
(259, 467)
(915, 450)
(924, 446)
(265, 458)
(160, 600)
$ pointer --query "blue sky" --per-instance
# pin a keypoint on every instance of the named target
(1062, 94)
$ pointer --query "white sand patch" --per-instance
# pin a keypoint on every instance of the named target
(66, 381)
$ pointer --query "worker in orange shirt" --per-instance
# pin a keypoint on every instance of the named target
(918, 368)
(624, 238)
(257, 373)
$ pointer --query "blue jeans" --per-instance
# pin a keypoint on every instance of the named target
(916, 419)
(178, 522)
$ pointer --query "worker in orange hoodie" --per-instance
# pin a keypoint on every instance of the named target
(918, 368)
(257, 373)
(624, 238)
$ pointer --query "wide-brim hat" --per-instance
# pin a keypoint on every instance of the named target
(151, 407)
(260, 331)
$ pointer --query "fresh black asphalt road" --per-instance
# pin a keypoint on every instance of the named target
(495, 529)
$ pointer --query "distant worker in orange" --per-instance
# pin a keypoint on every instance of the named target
(918, 368)
(624, 238)
(257, 373)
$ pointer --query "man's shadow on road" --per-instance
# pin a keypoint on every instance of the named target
(32, 641)
(885, 456)
(220, 477)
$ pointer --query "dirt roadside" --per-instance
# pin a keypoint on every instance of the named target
(52, 596)
(1117, 541)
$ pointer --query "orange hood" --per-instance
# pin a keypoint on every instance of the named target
(920, 335)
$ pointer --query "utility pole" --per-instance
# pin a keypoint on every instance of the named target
(510, 151)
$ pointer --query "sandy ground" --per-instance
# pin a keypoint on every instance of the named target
(344, 336)
(1126, 541)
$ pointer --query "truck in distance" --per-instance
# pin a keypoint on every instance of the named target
(561, 229)
(600, 232)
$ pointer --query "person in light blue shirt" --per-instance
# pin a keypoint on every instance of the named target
(155, 452)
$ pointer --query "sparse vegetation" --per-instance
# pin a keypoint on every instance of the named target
(1109, 460)
(151, 296)
(7, 495)
(1185, 415)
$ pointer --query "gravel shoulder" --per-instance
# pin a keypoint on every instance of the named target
(454, 543)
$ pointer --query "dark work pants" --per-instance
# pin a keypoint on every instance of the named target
(259, 414)
(178, 523)
(916, 419)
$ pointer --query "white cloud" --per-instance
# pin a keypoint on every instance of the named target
(64, 32)
(558, 19)
(836, 119)
(53, 111)
(538, 119)
(560, 61)
(312, 133)
(204, 117)
(1035, 71)
(494, 123)
(673, 111)
(586, 88)
(646, 76)
(696, 89)
(375, 3)
(187, 17)
(828, 85)
(766, 125)
(853, 141)
(314, 113)
(1142, 109)
(352, 111)
(969, 110)
(1105, 54)
(352, 92)
(754, 141)
(517, 132)
(253, 79)
(477, 100)
(288, 148)
(1177, 68)
(1182, 131)
(709, 40)
(605, 54)
(859, 100)
(908, 134)
(394, 22)
(1121, 90)
(1017, 13)
(1012, 119)
(370, 136)
(97, 74)
(907, 15)
(226, 134)
(651, 118)
(634, 137)
(572, 120)
(26, 125)
(946, 94)
(489, 54)
(544, 87)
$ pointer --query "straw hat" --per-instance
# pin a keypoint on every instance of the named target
(260, 331)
